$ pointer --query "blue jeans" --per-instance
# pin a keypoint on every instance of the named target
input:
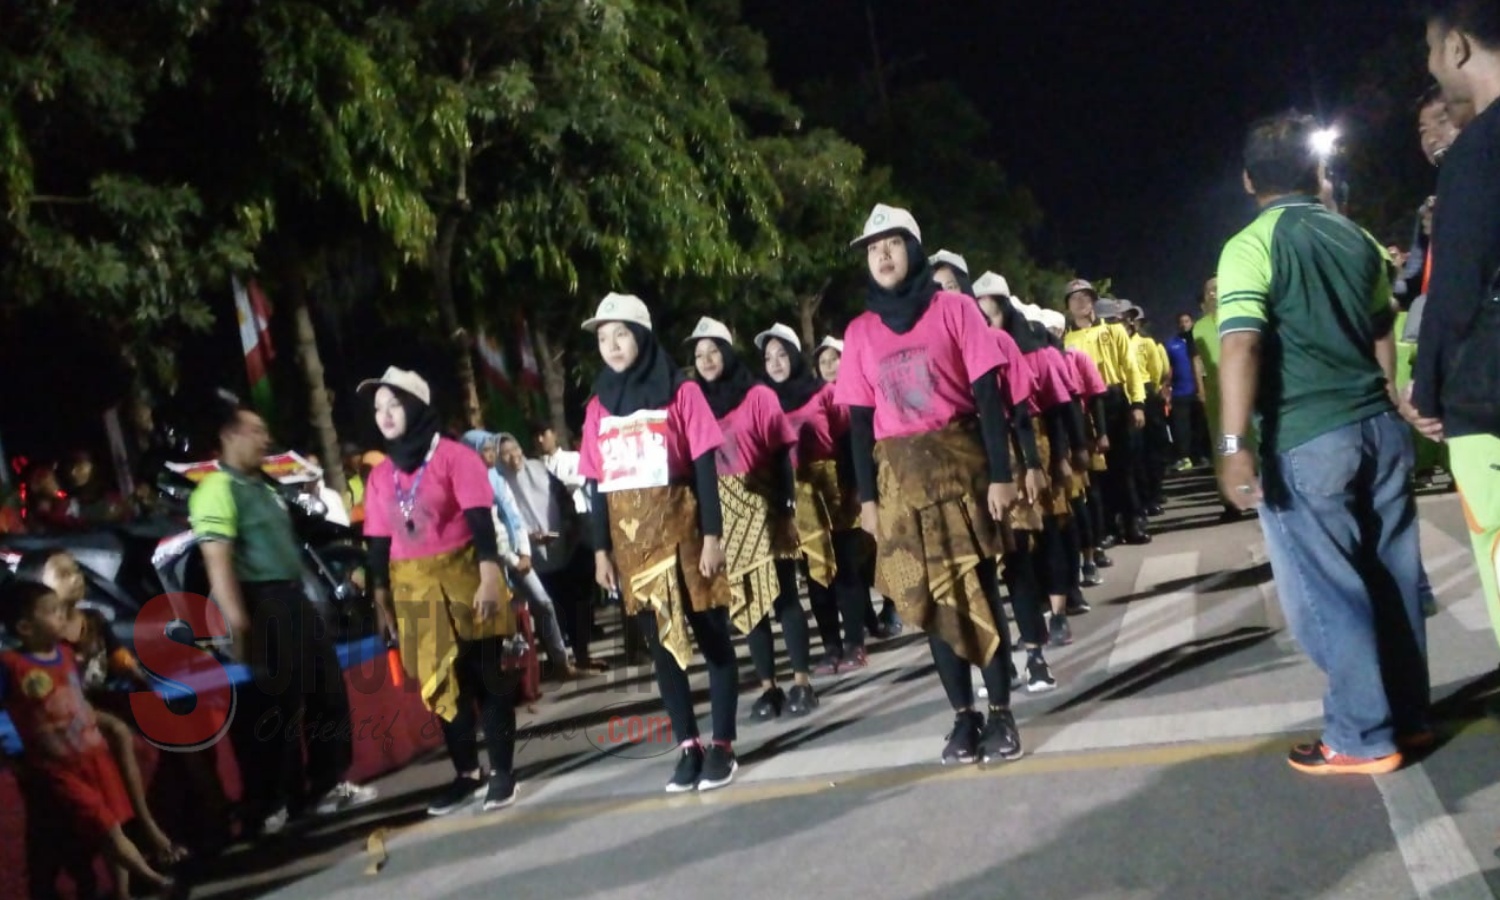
(1341, 531)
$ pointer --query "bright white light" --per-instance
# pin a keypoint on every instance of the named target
(1324, 141)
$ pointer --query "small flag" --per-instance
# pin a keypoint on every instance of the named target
(531, 374)
(492, 354)
(254, 317)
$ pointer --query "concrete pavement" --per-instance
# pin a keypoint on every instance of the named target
(1157, 769)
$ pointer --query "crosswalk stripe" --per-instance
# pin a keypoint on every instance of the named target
(1436, 854)
(1156, 624)
(1204, 725)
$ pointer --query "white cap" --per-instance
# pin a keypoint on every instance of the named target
(1029, 312)
(991, 285)
(783, 332)
(1053, 320)
(830, 343)
(950, 259)
(709, 328)
(620, 308)
(884, 220)
(410, 382)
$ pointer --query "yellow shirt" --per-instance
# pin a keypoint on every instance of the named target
(1151, 357)
(1109, 347)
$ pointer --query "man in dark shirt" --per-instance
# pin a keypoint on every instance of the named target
(1455, 392)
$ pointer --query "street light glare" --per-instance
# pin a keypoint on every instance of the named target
(1324, 140)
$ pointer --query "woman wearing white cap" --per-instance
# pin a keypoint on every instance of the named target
(827, 357)
(758, 494)
(435, 566)
(934, 484)
(647, 449)
(827, 505)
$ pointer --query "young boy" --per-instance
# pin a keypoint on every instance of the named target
(66, 754)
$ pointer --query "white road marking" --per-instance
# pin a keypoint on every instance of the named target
(1437, 856)
(1206, 725)
(1151, 626)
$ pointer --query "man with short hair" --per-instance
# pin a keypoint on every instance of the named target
(1187, 405)
(1305, 322)
(1455, 391)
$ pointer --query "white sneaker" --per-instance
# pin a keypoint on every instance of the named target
(275, 823)
(346, 795)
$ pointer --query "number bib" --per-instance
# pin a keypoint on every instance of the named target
(633, 451)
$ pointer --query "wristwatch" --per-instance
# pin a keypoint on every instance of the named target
(1230, 444)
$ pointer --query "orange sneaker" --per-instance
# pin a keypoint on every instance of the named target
(1318, 759)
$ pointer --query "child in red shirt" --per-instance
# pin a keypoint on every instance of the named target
(65, 753)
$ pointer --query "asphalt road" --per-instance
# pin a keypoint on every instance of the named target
(1156, 770)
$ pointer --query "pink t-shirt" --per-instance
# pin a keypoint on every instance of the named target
(1090, 382)
(452, 480)
(919, 381)
(753, 432)
(651, 447)
(1052, 378)
(819, 425)
(1018, 383)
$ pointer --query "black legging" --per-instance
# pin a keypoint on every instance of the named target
(848, 599)
(1156, 446)
(711, 632)
(1025, 588)
(1122, 503)
(1081, 524)
(788, 611)
(953, 670)
(485, 684)
(1057, 557)
(573, 593)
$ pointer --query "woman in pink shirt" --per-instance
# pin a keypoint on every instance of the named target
(932, 463)
(827, 506)
(1088, 505)
(435, 567)
(647, 451)
(757, 490)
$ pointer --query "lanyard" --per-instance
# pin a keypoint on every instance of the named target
(406, 501)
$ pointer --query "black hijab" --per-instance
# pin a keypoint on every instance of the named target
(800, 385)
(649, 383)
(901, 307)
(409, 451)
(728, 391)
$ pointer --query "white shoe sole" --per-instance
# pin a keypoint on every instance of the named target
(437, 812)
(1040, 688)
(681, 788)
(705, 785)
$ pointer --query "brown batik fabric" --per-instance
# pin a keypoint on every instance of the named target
(755, 536)
(657, 547)
(935, 529)
(823, 508)
(1026, 515)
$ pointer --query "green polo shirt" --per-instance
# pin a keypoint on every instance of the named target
(247, 512)
(1316, 288)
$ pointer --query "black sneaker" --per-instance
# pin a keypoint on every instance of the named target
(801, 700)
(689, 769)
(1089, 576)
(718, 768)
(1109, 542)
(1102, 560)
(464, 790)
(1015, 678)
(1155, 510)
(1077, 606)
(1060, 633)
(1038, 673)
(1000, 739)
(963, 740)
(501, 793)
(769, 705)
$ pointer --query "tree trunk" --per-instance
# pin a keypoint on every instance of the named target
(555, 380)
(319, 400)
(807, 311)
(441, 261)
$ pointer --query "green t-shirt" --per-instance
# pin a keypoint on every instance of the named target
(1316, 288)
(248, 513)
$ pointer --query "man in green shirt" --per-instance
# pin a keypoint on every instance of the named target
(255, 575)
(1305, 330)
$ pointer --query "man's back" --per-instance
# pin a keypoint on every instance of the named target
(1317, 289)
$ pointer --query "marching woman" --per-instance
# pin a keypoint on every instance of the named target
(827, 357)
(757, 493)
(1088, 509)
(647, 451)
(435, 566)
(827, 505)
(932, 463)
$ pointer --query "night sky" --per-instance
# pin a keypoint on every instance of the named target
(1125, 119)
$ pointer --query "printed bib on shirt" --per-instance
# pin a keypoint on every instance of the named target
(633, 451)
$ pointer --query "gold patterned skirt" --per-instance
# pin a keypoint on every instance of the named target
(657, 548)
(1027, 515)
(434, 600)
(755, 536)
(935, 530)
(824, 508)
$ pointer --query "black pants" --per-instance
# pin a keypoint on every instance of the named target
(1151, 464)
(953, 670)
(711, 632)
(1186, 413)
(485, 687)
(298, 701)
(573, 593)
(1025, 589)
(788, 611)
(1057, 557)
(1122, 505)
(848, 599)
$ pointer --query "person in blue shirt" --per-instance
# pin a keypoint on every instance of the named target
(1187, 405)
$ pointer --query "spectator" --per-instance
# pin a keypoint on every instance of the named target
(1187, 404)
(1305, 321)
(1455, 394)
